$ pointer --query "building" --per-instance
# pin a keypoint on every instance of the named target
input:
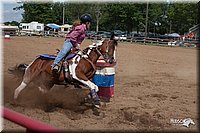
(195, 31)
(11, 30)
(31, 28)
(64, 29)
(53, 29)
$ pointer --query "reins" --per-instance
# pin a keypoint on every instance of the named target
(86, 57)
(86, 52)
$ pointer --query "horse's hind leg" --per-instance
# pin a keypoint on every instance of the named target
(45, 82)
(42, 89)
(45, 87)
(27, 78)
(19, 89)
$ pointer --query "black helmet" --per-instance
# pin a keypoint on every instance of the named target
(86, 18)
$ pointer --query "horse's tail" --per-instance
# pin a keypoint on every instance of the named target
(18, 70)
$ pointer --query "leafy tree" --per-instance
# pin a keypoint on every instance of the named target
(129, 16)
(155, 17)
(126, 16)
(183, 16)
(13, 23)
(40, 12)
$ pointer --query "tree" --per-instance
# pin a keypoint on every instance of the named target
(40, 12)
(122, 16)
(129, 16)
(183, 16)
(13, 23)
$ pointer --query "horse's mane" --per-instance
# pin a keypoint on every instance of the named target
(93, 45)
(85, 50)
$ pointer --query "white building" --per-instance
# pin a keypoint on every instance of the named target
(64, 29)
(32, 27)
(7, 29)
(195, 30)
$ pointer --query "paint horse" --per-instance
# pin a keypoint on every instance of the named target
(81, 69)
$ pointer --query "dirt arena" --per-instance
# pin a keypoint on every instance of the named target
(153, 86)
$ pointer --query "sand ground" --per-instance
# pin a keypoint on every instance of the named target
(153, 85)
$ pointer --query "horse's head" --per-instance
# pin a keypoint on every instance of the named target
(107, 49)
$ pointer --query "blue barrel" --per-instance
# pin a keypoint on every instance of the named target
(104, 78)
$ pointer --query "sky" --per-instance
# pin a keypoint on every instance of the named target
(8, 14)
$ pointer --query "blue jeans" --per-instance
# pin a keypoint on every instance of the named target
(65, 49)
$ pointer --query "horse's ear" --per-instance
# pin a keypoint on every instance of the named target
(112, 36)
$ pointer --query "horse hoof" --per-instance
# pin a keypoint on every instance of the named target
(15, 97)
(97, 106)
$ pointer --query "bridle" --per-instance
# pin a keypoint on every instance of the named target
(105, 56)
(97, 48)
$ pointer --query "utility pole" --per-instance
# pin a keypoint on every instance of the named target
(146, 25)
(170, 26)
(63, 13)
(98, 13)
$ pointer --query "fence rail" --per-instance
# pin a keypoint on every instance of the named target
(30, 124)
(158, 41)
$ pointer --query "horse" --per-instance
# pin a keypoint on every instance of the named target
(81, 69)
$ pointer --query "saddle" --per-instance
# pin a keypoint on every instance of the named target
(64, 71)
(68, 56)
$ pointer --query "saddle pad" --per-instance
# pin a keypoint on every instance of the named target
(48, 56)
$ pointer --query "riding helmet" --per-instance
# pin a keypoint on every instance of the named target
(86, 18)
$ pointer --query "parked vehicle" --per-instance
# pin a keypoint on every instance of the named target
(121, 36)
(106, 35)
(103, 34)
(90, 34)
(117, 32)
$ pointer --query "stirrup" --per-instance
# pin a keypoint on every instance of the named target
(55, 70)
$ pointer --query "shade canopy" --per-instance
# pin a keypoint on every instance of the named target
(174, 35)
(54, 26)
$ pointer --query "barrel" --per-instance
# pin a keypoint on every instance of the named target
(104, 78)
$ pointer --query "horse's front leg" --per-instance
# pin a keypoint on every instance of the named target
(93, 88)
(93, 92)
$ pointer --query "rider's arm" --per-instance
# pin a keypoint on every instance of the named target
(78, 35)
